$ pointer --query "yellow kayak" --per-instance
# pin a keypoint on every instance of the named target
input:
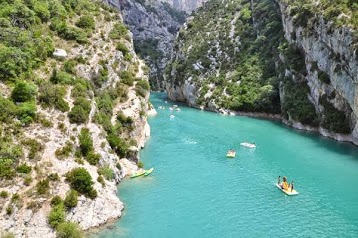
(288, 192)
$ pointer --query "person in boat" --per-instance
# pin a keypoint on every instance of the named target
(279, 180)
(284, 185)
(292, 186)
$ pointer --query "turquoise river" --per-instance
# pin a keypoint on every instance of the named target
(195, 191)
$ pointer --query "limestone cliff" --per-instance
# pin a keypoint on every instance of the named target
(185, 5)
(84, 108)
(298, 59)
(330, 58)
(154, 25)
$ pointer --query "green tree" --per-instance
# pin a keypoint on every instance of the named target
(23, 92)
(81, 181)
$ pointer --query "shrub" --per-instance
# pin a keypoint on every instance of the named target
(52, 96)
(124, 120)
(86, 142)
(27, 180)
(107, 172)
(119, 145)
(140, 164)
(81, 181)
(43, 186)
(56, 216)
(6, 170)
(8, 110)
(118, 31)
(53, 177)
(56, 200)
(9, 210)
(64, 151)
(34, 147)
(127, 77)
(27, 112)
(86, 22)
(144, 84)
(118, 166)
(23, 92)
(13, 62)
(15, 197)
(122, 48)
(61, 77)
(80, 90)
(23, 168)
(101, 180)
(68, 230)
(93, 158)
(69, 66)
(71, 199)
(4, 194)
(80, 110)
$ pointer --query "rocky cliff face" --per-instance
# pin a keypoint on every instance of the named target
(330, 58)
(154, 25)
(221, 61)
(99, 87)
(185, 5)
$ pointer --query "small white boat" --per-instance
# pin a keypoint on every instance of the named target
(248, 145)
(231, 154)
(170, 108)
(178, 109)
(175, 106)
(172, 117)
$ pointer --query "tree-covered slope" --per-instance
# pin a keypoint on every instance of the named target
(65, 122)
(229, 56)
(295, 58)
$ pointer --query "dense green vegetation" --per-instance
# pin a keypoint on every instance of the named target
(243, 73)
(341, 12)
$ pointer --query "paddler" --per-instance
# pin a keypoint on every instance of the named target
(284, 184)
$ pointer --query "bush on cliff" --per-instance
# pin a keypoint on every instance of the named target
(56, 216)
(69, 230)
(71, 199)
(81, 181)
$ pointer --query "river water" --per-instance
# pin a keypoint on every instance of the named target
(195, 191)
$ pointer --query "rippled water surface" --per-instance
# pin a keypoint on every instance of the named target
(195, 191)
